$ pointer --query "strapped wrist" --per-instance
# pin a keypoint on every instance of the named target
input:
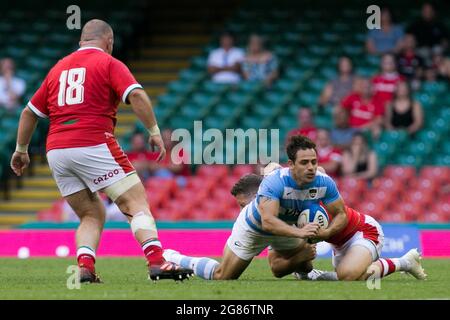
(154, 131)
(22, 148)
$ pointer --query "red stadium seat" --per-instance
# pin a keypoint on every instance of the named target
(218, 171)
(432, 216)
(240, 170)
(381, 196)
(374, 209)
(419, 197)
(404, 173)
(410, 211)
(195, 196)
(52, 214)
(425, 184)
(198, 183)
(168, 185)
(349, 184)
(441, 174)
(387, 184)
(393, 216)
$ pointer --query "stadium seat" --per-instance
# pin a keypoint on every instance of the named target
(403, 173)
(439, 174)
(218, 171)
(419, 197)
(242, 169)
(387, 184)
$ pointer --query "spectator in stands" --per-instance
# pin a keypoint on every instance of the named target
(224, 63)
(388, 39)
(174, 165)
(358, 160)
(306, 125)
(366, 113)
(403, 112)
(341, 135)
(430, 33)
(410, 64)
(139, 156)
(328, 156)
(384, 83)
(259, 64)
(441, 65)
(340, 87)
(11, 87)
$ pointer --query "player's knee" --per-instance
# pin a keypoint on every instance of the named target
(276, 271)
(348, 275)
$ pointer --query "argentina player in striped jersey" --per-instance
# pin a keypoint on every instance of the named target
(254, 230)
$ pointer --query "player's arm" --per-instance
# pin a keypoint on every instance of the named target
(27, 124)
(336, 210)
(269, 208)
(142, 107)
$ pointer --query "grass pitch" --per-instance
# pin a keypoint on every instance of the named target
(127, 279)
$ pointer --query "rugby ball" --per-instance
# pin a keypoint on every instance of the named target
(314, 213)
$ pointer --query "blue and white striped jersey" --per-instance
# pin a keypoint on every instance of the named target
(280, 186)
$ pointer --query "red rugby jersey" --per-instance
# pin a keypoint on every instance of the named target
(384, 86)
(80, 96)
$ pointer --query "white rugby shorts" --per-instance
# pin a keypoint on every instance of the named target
(247, 243)
(370, 235)
(94, 167)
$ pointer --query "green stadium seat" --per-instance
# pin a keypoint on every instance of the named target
(204, 99)
(170, 100)
(409, 160)
(429, 137)
(215, 88)
(250, 87)
(384, 149)
(181, 87)
(193, 76)
(442, 160)
(419, 148)
(396, 137)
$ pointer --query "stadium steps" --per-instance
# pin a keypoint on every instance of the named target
(177, 34)
(38, 192)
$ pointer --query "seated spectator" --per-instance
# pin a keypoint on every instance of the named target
(441, 65)
(173, 165)
(341, 135)
(340, 87)
(384, 83)
(11, 88)
(358, 160)
(224, 62)
(410, 64)
(430, 33)
(328, 156)
(365, 111)
(306, 125)
(140, 156)
(388, 39)
(403, 112)
(259, 63)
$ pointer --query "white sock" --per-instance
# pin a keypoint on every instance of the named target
(203, 267)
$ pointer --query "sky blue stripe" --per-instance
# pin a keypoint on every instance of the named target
(256, 228)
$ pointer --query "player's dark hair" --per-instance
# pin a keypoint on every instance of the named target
(247, 185)
(296, 143)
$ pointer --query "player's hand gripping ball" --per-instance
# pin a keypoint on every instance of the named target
(313, 214)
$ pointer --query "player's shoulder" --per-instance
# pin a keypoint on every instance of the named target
(323, 179)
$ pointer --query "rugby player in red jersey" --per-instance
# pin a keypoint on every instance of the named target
(80, 96)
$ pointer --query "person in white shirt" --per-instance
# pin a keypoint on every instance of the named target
(224, 63)
(11, 87)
